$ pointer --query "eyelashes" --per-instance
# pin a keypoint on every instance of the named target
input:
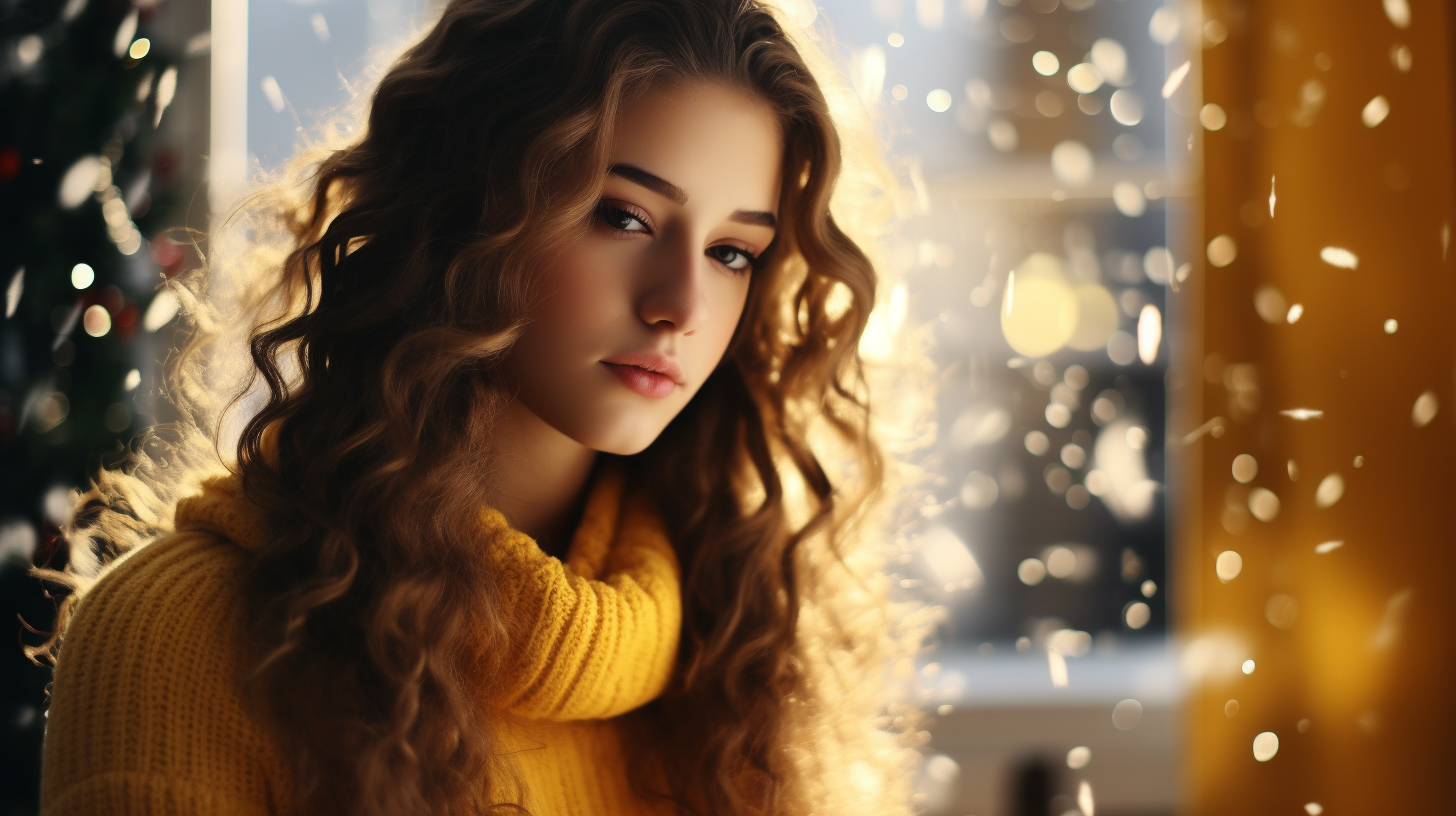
(622, 218)
(734, 258)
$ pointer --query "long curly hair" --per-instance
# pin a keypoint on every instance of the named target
(380, 286)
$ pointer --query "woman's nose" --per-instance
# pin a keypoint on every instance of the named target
(673, 295)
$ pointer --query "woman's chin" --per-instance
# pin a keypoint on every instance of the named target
(623, 441)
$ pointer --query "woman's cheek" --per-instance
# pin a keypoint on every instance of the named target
(727, 310)
(590, 283)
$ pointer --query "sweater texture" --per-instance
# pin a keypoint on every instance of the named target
(148, 716)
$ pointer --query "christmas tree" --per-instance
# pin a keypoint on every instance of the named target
(89, 194)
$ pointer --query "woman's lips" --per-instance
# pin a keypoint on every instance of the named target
(647, 383)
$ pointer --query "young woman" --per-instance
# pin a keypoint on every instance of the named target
(529, 518)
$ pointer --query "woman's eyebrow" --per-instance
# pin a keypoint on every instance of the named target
(756, 218)
(656, 184)
(678, 196)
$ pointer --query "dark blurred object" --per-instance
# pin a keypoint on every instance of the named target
(22, 721)
(1033, 794)
(95, 167)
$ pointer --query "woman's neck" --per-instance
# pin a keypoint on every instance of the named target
(541, 477)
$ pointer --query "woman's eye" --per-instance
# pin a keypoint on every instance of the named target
(620, 219)
(733, 258)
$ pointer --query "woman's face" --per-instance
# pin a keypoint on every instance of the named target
(634, 315)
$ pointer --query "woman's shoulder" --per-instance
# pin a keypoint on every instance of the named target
(148, 696)
(188, 586)
(173, 567)
(184, 589)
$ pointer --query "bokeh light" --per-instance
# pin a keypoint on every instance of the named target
(1040, 311)
(1398, 12)
(1164, 25)
(161, 310)
(1245, 468)
(1281, 611)
(1149, 333)
(1127, 714)
(1264, 504)
(1084, 78)
(1175, 79)
(1212, 117)
(1228, 565)
(1031, 571)
(1085, 805)
(1072, 163)
(1126, 107)
(1222, 250)
(1330, 489)
(1129, 199)
(1045, 63)
(1424, 409)
(1375, 111)
(1061, 562)
(1339, 257)
(96, 320)
(1266, 745)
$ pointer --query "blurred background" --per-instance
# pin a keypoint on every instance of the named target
(1183, 271)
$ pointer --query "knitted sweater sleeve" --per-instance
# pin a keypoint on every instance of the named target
(596, 636)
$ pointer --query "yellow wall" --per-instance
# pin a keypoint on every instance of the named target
(1371, 673)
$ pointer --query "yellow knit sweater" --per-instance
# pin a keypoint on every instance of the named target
(147, 716)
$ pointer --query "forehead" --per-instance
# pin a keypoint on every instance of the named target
(721, 145)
